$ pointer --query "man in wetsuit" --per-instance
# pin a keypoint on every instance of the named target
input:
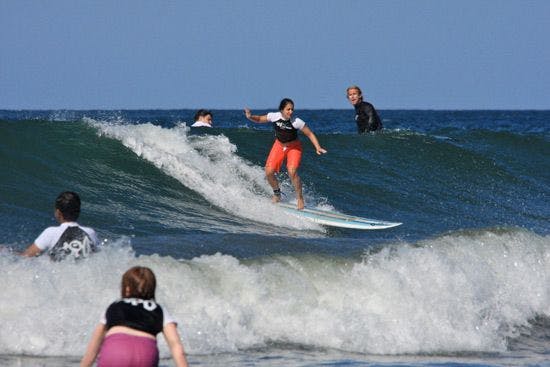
(67, 239)
(366, 117)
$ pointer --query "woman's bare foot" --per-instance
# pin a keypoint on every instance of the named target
(300, 204)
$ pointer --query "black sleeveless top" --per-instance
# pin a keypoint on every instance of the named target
(284, 131)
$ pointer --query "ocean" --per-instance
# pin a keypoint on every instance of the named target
(464, 281)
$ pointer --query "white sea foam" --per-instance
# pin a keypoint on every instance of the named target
(208, 165)
(460, 292)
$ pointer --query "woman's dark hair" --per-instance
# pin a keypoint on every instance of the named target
(138, 282)
(201, 113)
(284, 102)
(68, 203)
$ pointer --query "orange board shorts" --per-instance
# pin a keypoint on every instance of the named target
(292, 151)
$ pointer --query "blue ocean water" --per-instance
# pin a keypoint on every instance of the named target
(463, 281)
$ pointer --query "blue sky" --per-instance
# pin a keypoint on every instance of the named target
(415, 54)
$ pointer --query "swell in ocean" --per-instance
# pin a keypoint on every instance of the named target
(149, 178)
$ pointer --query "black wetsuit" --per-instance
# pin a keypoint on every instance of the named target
(366, 117)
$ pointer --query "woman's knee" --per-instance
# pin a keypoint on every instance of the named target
(269, 171)
(293, 172)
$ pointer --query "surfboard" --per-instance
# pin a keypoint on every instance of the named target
(334, 219)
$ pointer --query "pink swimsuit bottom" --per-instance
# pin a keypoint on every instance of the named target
(123, 350)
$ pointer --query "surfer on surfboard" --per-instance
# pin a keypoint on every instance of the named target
(286, 146)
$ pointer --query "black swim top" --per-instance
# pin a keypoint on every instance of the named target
(135, 313)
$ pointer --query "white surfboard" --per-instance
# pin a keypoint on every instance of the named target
(334, 219)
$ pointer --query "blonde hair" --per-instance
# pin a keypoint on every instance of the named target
(138, 282)
(355, 87)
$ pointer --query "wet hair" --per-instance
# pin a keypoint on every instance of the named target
(68, 203)
(138, 282)
(202, 113)
(355, 87)
(284, 102)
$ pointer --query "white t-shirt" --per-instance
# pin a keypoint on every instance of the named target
(296, 122)
(200, 124)
(49, 237)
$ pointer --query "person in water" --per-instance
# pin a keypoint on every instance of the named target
(203, 118)
(286, 146)
(126, 335)
(366, 117)
(69, 239)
